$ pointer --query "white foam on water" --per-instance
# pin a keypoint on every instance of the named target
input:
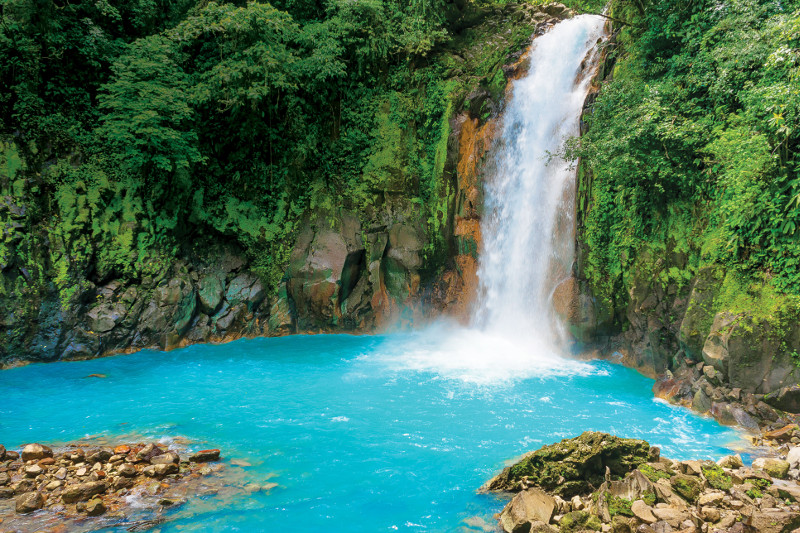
(477, 356)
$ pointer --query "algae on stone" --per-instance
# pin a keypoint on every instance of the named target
(574, 466)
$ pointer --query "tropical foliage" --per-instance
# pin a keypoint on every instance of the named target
(693, 145)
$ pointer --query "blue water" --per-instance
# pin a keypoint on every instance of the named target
(362, 433)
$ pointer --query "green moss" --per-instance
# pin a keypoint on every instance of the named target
(717, 477)
(649, 497)
(578, 521)
(652, 474)
(578, 465)
(762, 484)
(754, 493)
(618, 506)
(687, 487)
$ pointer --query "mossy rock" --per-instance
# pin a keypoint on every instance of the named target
(618, 506)
(654, 474)
(575, 466)
(717, 477)
(579, 521)
(687, 487)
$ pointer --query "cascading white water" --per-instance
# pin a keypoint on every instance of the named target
(528, 223)
(527, 228)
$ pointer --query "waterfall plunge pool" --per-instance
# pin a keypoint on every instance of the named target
(361, 433)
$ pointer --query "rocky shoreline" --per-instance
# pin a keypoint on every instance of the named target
(600, 482)
(80, 480)
(702, 388)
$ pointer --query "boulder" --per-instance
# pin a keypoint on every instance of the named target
(122, 449)
(574, 466)
(164, 459)
(34, 452)
(540, 527)
(731, 461)
(33, 470)
(166, 469)
(793, 457)
(150, 450)
(98, 456)
(528, 506)
(160, 470)
(579, 521)
(670, 515)
(126, 470)
(781, 434)
(777, 468)
(687, 487)
(30, 502)
(710, 514)
(2, 452)
(773, 521)
(83, 491)
(205, 456)
(711, 499)
(643, 512)
(785, 399)
(95, 507)
(24, 485)
(245, 289)
(701, 402)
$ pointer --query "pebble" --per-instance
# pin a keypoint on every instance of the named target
(33, 470)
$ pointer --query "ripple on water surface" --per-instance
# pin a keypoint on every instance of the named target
(361, 433)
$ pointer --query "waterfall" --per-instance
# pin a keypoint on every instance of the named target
(527, 228)
(528, 223)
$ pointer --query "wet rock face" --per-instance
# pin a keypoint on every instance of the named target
(702, 388)
(735, 368)
(210, 298)
(344, 277)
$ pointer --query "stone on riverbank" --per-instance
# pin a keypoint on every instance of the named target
(82, 481)
(527, 507)
(34, 452)
(30, 502)
(205, 456)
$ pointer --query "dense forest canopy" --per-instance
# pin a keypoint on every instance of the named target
(152, 123)
(130, 129)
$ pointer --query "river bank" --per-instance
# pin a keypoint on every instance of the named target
(600, 482)
(124, 485)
